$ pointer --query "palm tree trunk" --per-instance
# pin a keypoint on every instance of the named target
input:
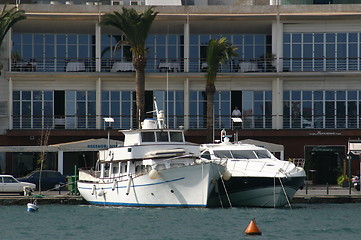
(140, 96)
(210, 90)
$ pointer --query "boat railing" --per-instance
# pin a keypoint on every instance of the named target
(299, 162)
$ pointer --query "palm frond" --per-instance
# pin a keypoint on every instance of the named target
(9, 18)
(218, 52)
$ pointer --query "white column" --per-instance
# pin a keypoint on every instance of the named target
(186, 103)
(277, 103)
(186, 46)
(277, 43)
(98, 103)
(98, 47)
(61, 162)
(10, 104)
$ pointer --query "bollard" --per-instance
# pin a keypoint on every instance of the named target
(306, 188)
(327, 188)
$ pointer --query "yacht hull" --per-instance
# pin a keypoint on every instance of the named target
(256, 192)
(187, 186)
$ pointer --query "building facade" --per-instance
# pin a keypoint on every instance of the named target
(296, 77)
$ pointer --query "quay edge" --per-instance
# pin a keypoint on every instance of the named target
(21, 200)
(78, 200)
(320, 199)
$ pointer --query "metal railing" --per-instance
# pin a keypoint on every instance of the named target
(187, 2)
(178, 121)
(234, 65)
(317, 2)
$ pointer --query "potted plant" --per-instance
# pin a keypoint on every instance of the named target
(343, 181)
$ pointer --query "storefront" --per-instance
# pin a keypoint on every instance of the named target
(65, 157)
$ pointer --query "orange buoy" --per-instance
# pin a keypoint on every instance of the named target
(252, 229)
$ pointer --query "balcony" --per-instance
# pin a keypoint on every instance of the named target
(77, 122)
(314, 2)
(236, 65)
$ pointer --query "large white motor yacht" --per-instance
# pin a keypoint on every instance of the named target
(258, 179)
(156, 167)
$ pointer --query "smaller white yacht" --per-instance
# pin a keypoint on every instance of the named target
(156, 167)
(258, 179)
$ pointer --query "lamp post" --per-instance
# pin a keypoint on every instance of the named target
(108, 120)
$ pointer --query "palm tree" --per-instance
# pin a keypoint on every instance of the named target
(218, 52)
(135, 28)
(8, 18)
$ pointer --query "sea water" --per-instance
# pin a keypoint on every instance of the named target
(78, 222)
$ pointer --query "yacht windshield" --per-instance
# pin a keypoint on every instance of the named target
(244, 154)
(263, 154)
(222, 154)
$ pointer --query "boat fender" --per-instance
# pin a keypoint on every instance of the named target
(128, 187)
(94, 189)
(226, 175)
(101, 193)
(115, 184)
(153, 174)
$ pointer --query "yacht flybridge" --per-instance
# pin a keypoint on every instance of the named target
(156, 167)
(259, 179)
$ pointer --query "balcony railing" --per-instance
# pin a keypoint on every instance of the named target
(185, 2)
(315, 2)
(236, 65)
(193, 121)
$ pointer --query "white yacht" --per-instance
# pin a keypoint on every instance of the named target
(156, 167)
(258, 179)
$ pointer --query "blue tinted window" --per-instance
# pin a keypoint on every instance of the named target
(105, 95)
(352, 95)
(296, 95)
(286, 37)
(319, 37)
(307, 95)
(16, 95)
(307, 38)
(341, 95)
(296, 38)
(26, 95)
(330, 95)
(318, 95)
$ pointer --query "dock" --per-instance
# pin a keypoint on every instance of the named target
(312, 194)
(46, 197)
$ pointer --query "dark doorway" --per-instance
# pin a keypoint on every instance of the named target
(324, 164)
(59, 103)
(75, 160)
(236, 100)
(149, 104)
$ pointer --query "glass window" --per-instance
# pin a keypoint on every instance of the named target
(162, 136)
(263, 154)
(222, 154)
(176, 136)
(243, 154)
(148, 137)
(206, 155)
